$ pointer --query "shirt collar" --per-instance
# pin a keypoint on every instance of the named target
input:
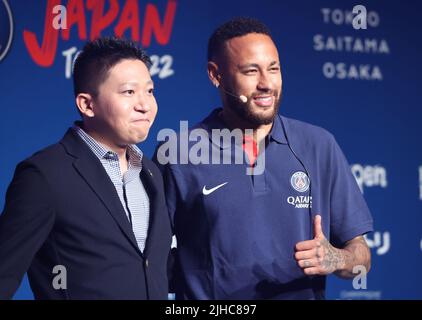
(135, 155)
(277, 133)
(102, 152)
(214, 121)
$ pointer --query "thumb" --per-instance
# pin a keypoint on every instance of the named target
(318, 227)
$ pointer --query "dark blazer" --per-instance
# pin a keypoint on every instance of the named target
(62, 209)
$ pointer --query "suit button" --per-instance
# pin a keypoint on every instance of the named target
(146, 263)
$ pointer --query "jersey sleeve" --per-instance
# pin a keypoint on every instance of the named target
(350, 215)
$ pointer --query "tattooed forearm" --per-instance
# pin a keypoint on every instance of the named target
(354, 253)
(333, 258)
(319, 257)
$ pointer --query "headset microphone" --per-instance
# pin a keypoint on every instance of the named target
(242, 97)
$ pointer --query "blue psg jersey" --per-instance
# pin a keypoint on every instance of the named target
(236, 232)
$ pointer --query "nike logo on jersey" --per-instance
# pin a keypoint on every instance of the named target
(206, 191)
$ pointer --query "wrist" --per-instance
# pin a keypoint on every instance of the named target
(341, 265)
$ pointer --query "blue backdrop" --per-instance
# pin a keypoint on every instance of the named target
(363, 85)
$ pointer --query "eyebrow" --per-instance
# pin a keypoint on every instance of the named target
(255, 65)
(135, 83)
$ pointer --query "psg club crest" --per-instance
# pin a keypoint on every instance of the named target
(6, 28)
(300, 181)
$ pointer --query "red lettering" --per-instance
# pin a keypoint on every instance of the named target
(129, 20)
(75, 15)
(43, 55)
(101, 21)
(152, 24)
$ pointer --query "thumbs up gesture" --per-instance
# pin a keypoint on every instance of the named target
(318, 256)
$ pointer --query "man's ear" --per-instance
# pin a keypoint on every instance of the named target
(85, 104)
(214, 73)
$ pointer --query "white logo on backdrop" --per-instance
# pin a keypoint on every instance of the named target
(355, 22)
(420, 183)
(380, 241)
(369, 176)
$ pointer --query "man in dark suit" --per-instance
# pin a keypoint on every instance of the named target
(86, 217)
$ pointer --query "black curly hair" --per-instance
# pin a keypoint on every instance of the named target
(233, 28)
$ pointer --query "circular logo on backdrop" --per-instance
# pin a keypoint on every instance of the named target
(6, 28)
(300, 181)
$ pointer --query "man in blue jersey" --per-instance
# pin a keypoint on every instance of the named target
(274, 225)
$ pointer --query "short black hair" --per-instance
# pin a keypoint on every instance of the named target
(233, 28)
(98, 57)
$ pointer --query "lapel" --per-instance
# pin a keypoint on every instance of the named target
(92, 171)
(148, 180)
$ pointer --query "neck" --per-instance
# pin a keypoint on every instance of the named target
(120, 150)
(233, 121)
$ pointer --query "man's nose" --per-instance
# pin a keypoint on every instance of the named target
(264, 82)
(142, 103)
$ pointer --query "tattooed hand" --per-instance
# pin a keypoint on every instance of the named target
(318, 256)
